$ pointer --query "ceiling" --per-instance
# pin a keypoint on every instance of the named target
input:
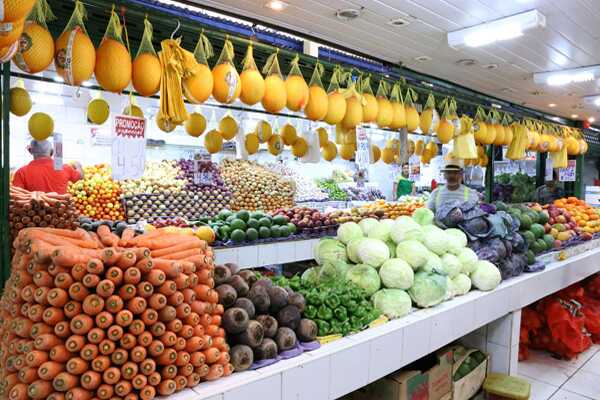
(570, 39)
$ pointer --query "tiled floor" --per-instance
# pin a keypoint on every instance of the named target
(553, 379)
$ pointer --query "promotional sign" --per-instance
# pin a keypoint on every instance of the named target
(363, 147)
(548, 172)
(568, 174)
(592, 195)
(128, 147)
(58, 151)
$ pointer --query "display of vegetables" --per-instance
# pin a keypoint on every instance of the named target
(97, 195)
(334, 192)
(37, 209)
(514, 188)
(355, 193)
(159, 177)
(201, 176)
(95, 315)
(255, 187)
(308, 220)
(306, 188)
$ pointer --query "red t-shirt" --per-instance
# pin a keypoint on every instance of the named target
(39, 175)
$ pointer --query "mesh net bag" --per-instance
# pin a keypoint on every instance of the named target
(146, 45)
(295, 67)
(334, 82)
(204, 50)
(248, 63)
(114, 29)
(227, 53)
(383, 89)
(411, 97)
(41, 13)
(396, 94)
(315, 79)
(76, 20)
(271, 67)
(365, 86)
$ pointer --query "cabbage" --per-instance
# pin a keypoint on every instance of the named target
(352, 249)
(467, 258)
(436, 239)
(451, 265)
(392, 246)
(423, 216)
(365, 277)
(405, 228)
(457, 240)
(461, 284)
(394, 303)
(311, 275)
(433, 263)
(330, 250)
(413, 252)
(367, 224)
(380, 231)
(373, 252)
(333, 271)
(485, 276)
(348, 231)
(388, 222)
(450, 289)
(397, 274)
(428, 289)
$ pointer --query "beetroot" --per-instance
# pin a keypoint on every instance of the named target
(247, 305)
(269, 324)
(242, 357)
(227, 295)
(235, 320)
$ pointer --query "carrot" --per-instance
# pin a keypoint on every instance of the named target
(167, 314)
(127, 341)
(35, 312)
(64, 381)
(23, 327)
(137, 305)
(168, 287)
(212, 355)
(158, 329)
(114, 304)
(144, 339)
(157, 301)
(169, 339)
(187, 331)
(36, 358)
(46, 341)
(156, 348)
(149, 316)
(180, 344)
(183, 310)
(89, 352)
(56, 396)
(213, 298)
(144, 265)
(145, 289)
(48, 370)
(208, 342)
(119, 357)
(212, 330)
(167, 387)
(62, 329)
(57, 297)
(147, 392)
(148, 367)
(202, 292)
(193, 319)
(187, 245)
(139, 381)
(132, 275)
(122, 388)
(127, 235)
(171, 268)
(90, 280)
(175, 299)
(75, 343)
(107, 238)
(59, 353)
(220, 343)
(115, 275)
(127, 291)
(93, 304)
(183, 358)
(193, 380)
(194, 344)
(68, 256)
(129, 370)
(155, 277)
(90, 380)
(106, 347)
(53, 315)
(185, 370)
(77, 291)
(111, 375)
(223, 359)
(215, 372)
(81, 324)
(124, 318)
(137, 327)
(105, 391)
(216, 319)
(100, 363)
(42, 278)
(137, 354)
(39, 389)
(114, 333)
(40, 295)
(78, 393)
(78, 271)
(182, 281)
(228, 369)
(205, 320)
(77, 366)
(204, 275)
(95, 266)
(174, 325)
(168, 372)
(197, 358)
(27, 292)
(72, 308)
(104, 320)
(180, 382)
(183, 255)
(19, 392)
(55, 270)
(95, 335)
(28, 374)
(200, 307)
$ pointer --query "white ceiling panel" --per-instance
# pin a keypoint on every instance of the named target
(570, 39)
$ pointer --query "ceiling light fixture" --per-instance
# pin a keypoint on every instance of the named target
(501, 29)
(276, 5)
(551, 105)
(58, 79)
(87, 83)
(566, 76)
(591, 119)
(574, 116)
(593, 99)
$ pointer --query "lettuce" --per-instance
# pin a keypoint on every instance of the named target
(367, 224)
(461, 284)
(413, 252)
(405, 228)
(486, 276)
(428, 289)
(467, 258)
(373, 252)
(348, 231)
(330, 250)
(423, 216)
(436, 239)
(352, 249)
(451, 265)
(396, 274)
(394, 303)
(457, 240)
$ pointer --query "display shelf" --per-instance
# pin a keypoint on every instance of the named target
(340, 367)
(267, 254)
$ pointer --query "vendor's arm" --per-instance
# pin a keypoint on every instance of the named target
(76, 172)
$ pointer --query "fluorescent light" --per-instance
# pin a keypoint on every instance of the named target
(593, 99)
(276, 5)
(551, 105)
(567, 76)
(574, 116)
(591, 119)
(501, 29)
(87, 83)
(58, 79)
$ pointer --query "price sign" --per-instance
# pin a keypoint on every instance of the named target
(128, 147)
(58, 151)
(568, 174)
(548, 172)
(363, 147)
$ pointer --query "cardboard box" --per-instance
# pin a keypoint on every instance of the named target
(470, 384)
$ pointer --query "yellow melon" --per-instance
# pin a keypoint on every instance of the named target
(583, 146)
(133, 110)
(195, 124)
(164, 125)
(198, 87)
(228, 127)
(483, 161)
(316, 108)
(253, 87)
(499, 139)
(375, 154)
(426, 121)
(346, 152)
(41, 126)
(146, 74)
(6, 53)
(508, 135)
(572, 146)
(297, 92)
(432, 149)
(394, 144)
(300, 148)
(329, 151)
(264, 131)
(98, 111)
(323, 136)
(35, 50)
(399, 116)
(275, 96)
(10, 32)
(445, 131)
(113, 66)
(480, 130)
(336, 108)
(412, 119)
(419, 147)
(288, 134)
(385, 113)
(370, 108)
(275, 145)
(387, 155)
(20, 101)
(544, 144)
(227, 85)
(13, 10)
(490, 134)
(213, 141)
(251, 143)
(74, 46)
(411, 147)
(354, 113)
(555, 144)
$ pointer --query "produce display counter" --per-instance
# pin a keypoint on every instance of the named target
(345, 365)
(267, 254)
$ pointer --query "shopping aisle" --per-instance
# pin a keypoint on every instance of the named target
(553, 379)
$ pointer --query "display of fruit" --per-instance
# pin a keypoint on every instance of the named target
(306, 188)
(159, 176)
(97, 195)
(308, 220)
(334, 192)
(393, 210)
(255, 187)
(584, 215)
(356, 193)
(248, 226)
(355, 214)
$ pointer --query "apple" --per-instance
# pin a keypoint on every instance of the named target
(547, 228)
(557, 243)
(566, 214)
(561, 219)
(551, 221)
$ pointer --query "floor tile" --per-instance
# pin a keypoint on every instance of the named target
(566, 395)
(593, 364)
(540, 390)
(584, 383)
(544, 368)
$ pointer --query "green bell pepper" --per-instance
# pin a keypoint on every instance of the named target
(324, 327)
(312, 297)
(351, 306)
(324, 313)
(356, 323)
(360, 312)
(346, 328)
(332, 301)
(310, 312)
(336, 327)
(340, 313)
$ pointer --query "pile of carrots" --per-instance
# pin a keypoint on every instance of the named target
(96, 316)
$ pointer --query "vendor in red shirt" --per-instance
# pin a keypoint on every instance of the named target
(39, 175)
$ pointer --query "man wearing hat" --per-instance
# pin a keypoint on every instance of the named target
(453, 190)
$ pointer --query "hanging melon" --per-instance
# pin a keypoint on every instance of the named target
(544, 144)
(387, 155)
(480, 130)
(394, 144)
(411, 147)
(555, 144)
(412, 118)
(346, 152)
(195, 125)
(146, 69)
(318, 103)
(164, 124)
(20, 101)
(275, 96)
(275, 145)
(296, 87)
(398, 110)
(8, 52)
(14, 10)
(508, 135)
(323, 136)
(329, 151)
(499, 139)
(583, 146)
(264, 131)
(300, 148)
(251, 143)
(98, 111)
(385, 113)
(198, 87)
(288, 134)
(227, 85)
(113, 61)
(41, 126)
(419, 147)
(74, 53)
(36, 45)
(445, 131)
(375, 154)
(10, 32)
(428, 119)
(572, 146)
(354, 113)
(253, 84)
(336, 102)
(432, 149)
(213, 141)
(133, 110)
(228, 127)
(369, 102)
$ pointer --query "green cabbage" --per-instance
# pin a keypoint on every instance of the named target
(330, 250)
(352, 249)
(436, 239)
(333, 271)
(396, 274)
(405, 228)
(485, 276)
(457, 240)
(423, 216)
(413, 252)
(367, 224)
(373, 252)
(451, 265)
(461, 284)
(450, 289)
(394, 303)
(311, 275)
(365, 277)
(388, 222)
(428, 289)
(392, 246)
(380, 231)
(348, 231)
(467, 258)
(433, 263)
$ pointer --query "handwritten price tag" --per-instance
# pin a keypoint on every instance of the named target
(568, 174)
(128, 147)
